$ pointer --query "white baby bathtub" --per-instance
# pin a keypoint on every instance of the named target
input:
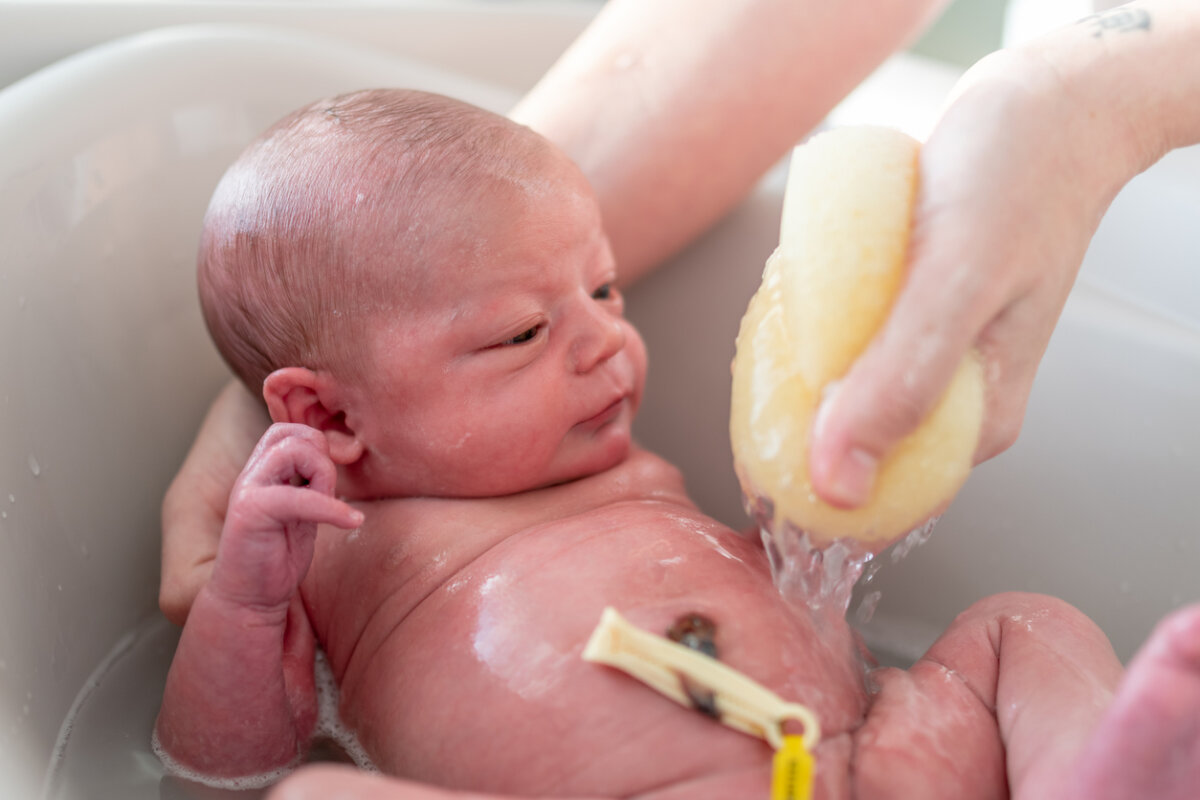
(107, 160)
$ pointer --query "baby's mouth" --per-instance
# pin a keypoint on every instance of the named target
(607, 414)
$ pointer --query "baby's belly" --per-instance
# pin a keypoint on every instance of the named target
(482, 685)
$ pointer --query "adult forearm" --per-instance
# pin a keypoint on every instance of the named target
(674, 108)
(1134, 72)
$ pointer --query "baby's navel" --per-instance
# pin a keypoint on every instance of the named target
(697, 632)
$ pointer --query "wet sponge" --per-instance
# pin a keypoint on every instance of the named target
(825, 292)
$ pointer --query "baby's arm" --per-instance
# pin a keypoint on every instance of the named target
(239, 698)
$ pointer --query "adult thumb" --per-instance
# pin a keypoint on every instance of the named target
(891, 388)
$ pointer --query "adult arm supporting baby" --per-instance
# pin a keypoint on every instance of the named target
(321, 782)
(675, 108)
(240, 699)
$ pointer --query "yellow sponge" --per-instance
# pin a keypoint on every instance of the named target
(826, 291)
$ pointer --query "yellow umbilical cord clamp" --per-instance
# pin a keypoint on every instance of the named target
(793, 770)
(740, 702)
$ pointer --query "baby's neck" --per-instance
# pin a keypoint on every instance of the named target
(360, 483)
(638, 475)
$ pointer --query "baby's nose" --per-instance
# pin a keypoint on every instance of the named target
(600, 338)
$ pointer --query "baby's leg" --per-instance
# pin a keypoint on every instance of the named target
(1148, 743)
(1005, 700)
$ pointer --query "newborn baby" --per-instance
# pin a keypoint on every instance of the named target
(424, 293)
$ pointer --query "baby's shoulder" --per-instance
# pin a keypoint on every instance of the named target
(454, 531)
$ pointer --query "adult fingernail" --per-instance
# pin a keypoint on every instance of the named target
(852, 479)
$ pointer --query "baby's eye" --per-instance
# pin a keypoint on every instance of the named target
(523, 337)
(605, 292)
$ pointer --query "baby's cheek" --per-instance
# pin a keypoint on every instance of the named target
(495, 459)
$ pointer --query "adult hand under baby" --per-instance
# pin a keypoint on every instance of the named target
(320, 782)
(1010, 193)
(194, 507)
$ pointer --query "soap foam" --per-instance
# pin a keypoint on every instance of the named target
(329, 723)
(259, 781)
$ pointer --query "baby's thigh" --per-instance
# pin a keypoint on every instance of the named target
(927, 735)
(1014, 685)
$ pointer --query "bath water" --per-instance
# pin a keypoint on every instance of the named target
(104, 750)
(824, 578)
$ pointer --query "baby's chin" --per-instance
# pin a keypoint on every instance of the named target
(608, 449)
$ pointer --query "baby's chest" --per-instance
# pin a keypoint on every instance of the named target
(498, 648)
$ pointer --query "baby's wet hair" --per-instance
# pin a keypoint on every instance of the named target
(328, 217)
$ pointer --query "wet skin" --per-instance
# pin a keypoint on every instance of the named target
(488, 443)
(455, 629)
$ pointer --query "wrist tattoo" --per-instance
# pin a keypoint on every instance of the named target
(1118, 20)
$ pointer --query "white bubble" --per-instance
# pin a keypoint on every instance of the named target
(34, 466)
(259, 781)
(329, 722)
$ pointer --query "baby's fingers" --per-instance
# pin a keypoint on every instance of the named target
(291, 454)
(305, 505)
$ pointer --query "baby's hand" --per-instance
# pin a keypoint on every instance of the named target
(285, 490)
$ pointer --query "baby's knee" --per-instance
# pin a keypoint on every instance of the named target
(1021, 607)
(1029, 613)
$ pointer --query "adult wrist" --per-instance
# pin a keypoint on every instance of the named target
(1133, 76)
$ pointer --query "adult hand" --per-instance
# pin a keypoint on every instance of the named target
(327, 782)
(1013, 182)
(193, 510)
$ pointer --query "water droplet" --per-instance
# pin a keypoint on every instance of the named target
(1125, 587)
(34, 466)
(12, 498)
(915, 538)
(866, 609)
(21, 302)
(625, 60)
(3, 515)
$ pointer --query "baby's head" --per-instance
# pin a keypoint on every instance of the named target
(429, 284)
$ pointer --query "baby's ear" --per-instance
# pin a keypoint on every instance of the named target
(293, 394)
